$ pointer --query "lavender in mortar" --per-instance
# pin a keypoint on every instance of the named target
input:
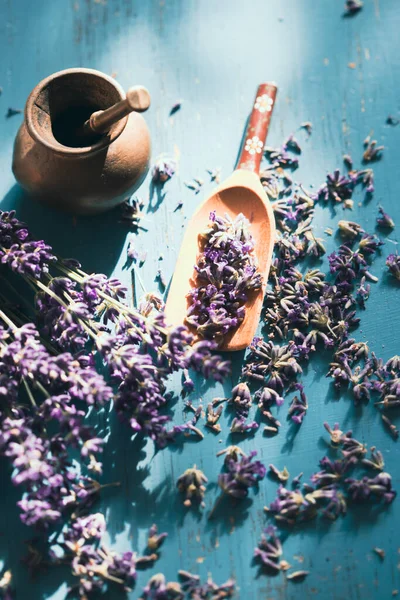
(226, 274)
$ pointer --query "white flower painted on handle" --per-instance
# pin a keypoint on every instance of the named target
(253, 145)
(263, 103)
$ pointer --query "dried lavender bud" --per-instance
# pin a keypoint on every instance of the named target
(391, 426)
(298, 406)
(385, 220)
(175, 107)
(131, 252)
(372, 152)
(210, 590)
(161, 280)
(215, 174)
(308, 126)
(155, 539)
(231, 453)
(335, 433)
(158, 588)
(241, 399)
(296, 480)
(269, 550)
(163, 169)
(350, 229)
(280, 475)
(131, 210)
(191, 484)
(292, 144)
(213, 417)
(393, 265)
(270, 429)
(380, 552)
(297, 575)
(239, 425)
(241, 475)
(225, 275)
(348, 161)
(337, 187)
(375, 462)
(366, 489)
(353, 6)
(6, 589)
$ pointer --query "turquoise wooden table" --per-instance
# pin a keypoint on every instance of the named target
(341, 74)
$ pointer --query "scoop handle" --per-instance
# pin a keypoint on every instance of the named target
(257, 128)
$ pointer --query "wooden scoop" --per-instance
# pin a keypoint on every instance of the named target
(243, 193)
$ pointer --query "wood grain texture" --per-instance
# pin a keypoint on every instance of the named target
(211, 55)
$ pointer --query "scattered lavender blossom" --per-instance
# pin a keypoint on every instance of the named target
(297, 575)
(269, 550)
(155, 539)
(330, 490)
(372, 152)
(353, 6)
(240, 474)
(175, 107)
(215, 174)
(192, 484)
(299, 406)
(393, 265)
(307, 126)
(280, 475)
(209, 590)
(164, 168)
(384, 220)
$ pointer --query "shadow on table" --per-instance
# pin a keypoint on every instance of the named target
(95, 241)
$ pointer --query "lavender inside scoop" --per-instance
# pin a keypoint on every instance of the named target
(226, 273)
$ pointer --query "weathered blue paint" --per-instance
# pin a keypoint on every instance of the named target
(212, 55)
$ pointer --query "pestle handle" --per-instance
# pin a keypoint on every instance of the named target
(137, 99)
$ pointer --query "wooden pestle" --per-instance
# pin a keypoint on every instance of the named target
(137, 99)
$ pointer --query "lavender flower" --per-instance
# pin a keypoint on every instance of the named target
(269, 549)
(155, 539)
(239, 425)
(164, 168)
(280, 475)
(241, 475)
(298, 406)
(385, 220)
(379, 487)
(210, 590)
(191, 484)
(241, 399)
(226, 275)
(353, 6)
(213, 417)
(372, 152)
(393, 265)
(296, 575)
(158, 588)
(337, 188)
(307, 126)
